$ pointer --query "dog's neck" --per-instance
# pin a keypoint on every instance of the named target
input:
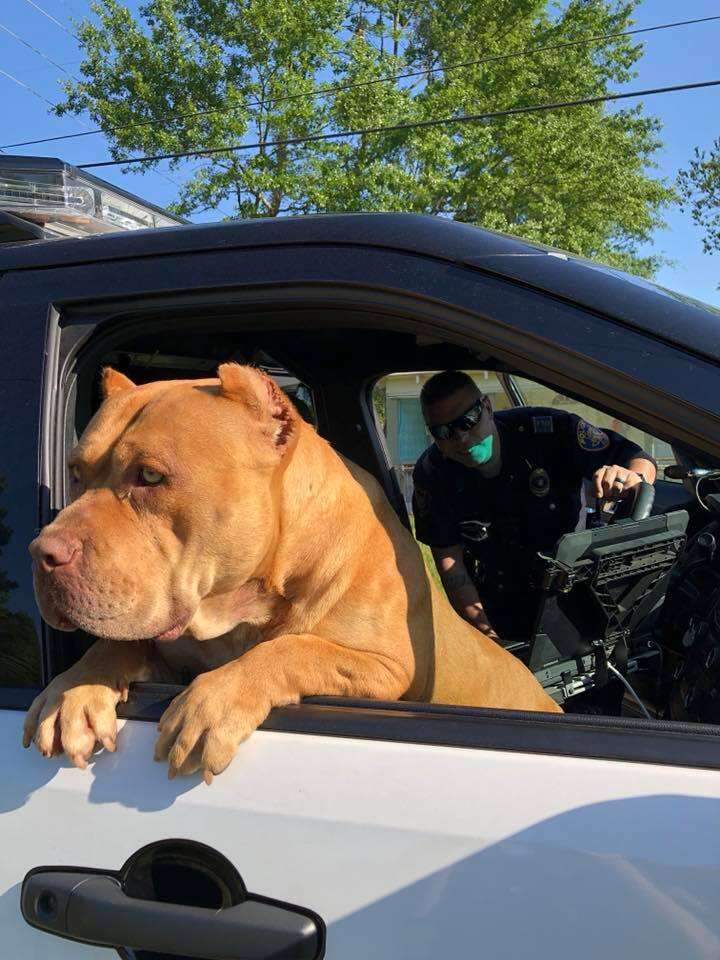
(317, 496)
(313, 554)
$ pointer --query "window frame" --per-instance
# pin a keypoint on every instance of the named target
(548, 386)
(99, 295)
(23, 336)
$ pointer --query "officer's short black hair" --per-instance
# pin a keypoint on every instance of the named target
(444, 384)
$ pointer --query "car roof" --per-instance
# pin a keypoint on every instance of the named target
(672, 317)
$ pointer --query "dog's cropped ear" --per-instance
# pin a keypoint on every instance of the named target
(112, 382)
(261, 397)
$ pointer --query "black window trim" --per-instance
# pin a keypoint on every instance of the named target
(581, 375)
(623, 739)
(609, 738)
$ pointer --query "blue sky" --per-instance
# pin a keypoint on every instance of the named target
(682, 55)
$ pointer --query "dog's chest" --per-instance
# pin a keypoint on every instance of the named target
(187, 657)
(256, 606)
(253, 606)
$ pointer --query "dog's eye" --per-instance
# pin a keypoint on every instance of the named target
(75, 473)
(149, 477)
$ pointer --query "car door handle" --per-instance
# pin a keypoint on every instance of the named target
(91, 907)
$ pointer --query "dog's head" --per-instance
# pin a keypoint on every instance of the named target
(174, 507)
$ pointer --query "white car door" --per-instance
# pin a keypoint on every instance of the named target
(404, 849)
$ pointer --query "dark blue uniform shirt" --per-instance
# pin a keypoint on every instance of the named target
(535, 499)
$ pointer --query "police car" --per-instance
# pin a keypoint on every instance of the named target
(354, 828)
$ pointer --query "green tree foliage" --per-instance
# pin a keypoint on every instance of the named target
(700, 190)
(379, 397)
(191, 74)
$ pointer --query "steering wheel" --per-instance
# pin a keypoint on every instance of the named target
(637, 505)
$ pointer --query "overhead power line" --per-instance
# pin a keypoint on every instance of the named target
(37, 69)
(339, 88)
(35, 93)
(50, 17)
(26, 86)
(414, 125)
(40, 96)
(35, 50)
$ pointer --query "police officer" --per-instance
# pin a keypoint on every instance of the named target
(503, 486)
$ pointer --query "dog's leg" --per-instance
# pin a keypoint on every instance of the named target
(77, 710)
(203, 726)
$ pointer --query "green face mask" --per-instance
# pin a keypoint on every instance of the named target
(483, 451)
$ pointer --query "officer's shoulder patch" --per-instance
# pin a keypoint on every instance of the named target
(542, 424)
(591, 438)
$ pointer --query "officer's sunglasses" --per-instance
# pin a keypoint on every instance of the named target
(465, 422)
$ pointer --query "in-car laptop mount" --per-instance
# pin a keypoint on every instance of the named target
(598, 587)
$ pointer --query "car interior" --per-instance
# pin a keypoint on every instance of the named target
(629, 618)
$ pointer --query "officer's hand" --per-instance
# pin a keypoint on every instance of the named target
(614, 482)
(484, 626)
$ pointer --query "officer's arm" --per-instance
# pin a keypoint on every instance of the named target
(646, 469)
(460, 589)
(613, 463)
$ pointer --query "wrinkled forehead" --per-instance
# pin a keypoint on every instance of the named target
(152, 415)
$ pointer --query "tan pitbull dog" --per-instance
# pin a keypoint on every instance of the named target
(212, 530)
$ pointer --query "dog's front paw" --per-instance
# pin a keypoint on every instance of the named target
(71, 715)
(204, 725)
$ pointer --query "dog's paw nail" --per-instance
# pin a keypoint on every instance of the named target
(172, 773)
(109, 744)
(208, 776)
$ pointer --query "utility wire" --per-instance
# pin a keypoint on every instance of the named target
(30, 89)
(35, 50)
(415, 125)
(64, 63)
(50, 17)
(35, 93)
(338, 88)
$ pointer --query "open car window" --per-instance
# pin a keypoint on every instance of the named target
(637, 561)
(329, 369)
(538, 395)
